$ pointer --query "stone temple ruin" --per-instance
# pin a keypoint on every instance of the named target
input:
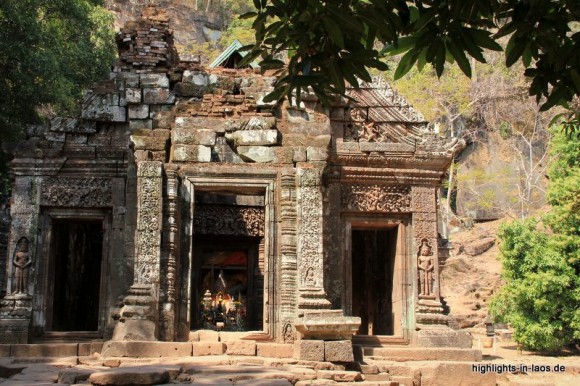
(179, 202)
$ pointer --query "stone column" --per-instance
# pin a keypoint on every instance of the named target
(169, 257)
(139, 315)
(288, 252)
(311, 293)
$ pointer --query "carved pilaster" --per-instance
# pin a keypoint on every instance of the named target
(429, 310)
(310, 242)
(138, 317)
(289, 262)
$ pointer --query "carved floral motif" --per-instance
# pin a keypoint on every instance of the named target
(376, 198)
(229, 220)
(148, 221)
(77, 192)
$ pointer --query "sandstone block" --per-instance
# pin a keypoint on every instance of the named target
(309, 350)
(454, 374)
(55, 137)
(158, 96)
(284, 155)
(385, 147)
(138, 112)
(162, 119)
(74, 375)
(299, 154)
(253, 137)
(275, 350)
(316, 382)
(190, 90)
(133, 95)
(191, 153)
(4, 350)
(208, 348)
(241, 347)
(136, 124)
(338, 351)
(146, 349)
(348, 147)
(197, 78)
(84, 349)
(209, 336)
(260, 154)
(130, 376)
(477, 247)
(148, 143)
(100, 107)
(316, 153)
(154, 81)
(44, 350)
(193, 137)
(130, 79)
(340, 376)
(193, 336)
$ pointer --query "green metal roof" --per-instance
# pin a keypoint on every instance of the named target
(232, 48)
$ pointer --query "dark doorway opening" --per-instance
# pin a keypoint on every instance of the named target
(76, 257)
(227, 290)
(373, 279)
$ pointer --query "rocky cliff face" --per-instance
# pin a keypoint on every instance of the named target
(191, 24)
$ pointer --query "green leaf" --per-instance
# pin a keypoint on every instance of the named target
(460, 57)
(248, 15)
(514, 50)
(403, 45)
(405, 64)
(333, 31)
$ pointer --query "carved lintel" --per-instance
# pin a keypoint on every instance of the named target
(77, 192)
(229, 220)
(376, 198)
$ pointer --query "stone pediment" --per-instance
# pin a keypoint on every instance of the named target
(381, 120)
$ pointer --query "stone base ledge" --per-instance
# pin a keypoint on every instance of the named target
(146, 349)
(407, 354)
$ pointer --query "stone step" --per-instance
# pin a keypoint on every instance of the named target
(406, 354)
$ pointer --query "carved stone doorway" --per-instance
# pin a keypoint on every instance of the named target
(73, 260)
(375, 279)
(227, 286)
(76, 259)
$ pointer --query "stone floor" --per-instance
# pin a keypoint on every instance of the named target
(222, 370)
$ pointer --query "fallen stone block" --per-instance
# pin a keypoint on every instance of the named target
(125, 376)
(340, 376)
(477, 247)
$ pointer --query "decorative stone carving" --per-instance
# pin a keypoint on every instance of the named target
(310, 265)
(376, 198)
(361, 129)
(148, 221)
(21, 263)
(426, 268)
(424, 199)
(289, 262)
(229, 220)
(288, 333)
(77, 192)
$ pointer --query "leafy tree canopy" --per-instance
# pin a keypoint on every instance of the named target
(49, 51)
(332, 43)
(541, 262)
